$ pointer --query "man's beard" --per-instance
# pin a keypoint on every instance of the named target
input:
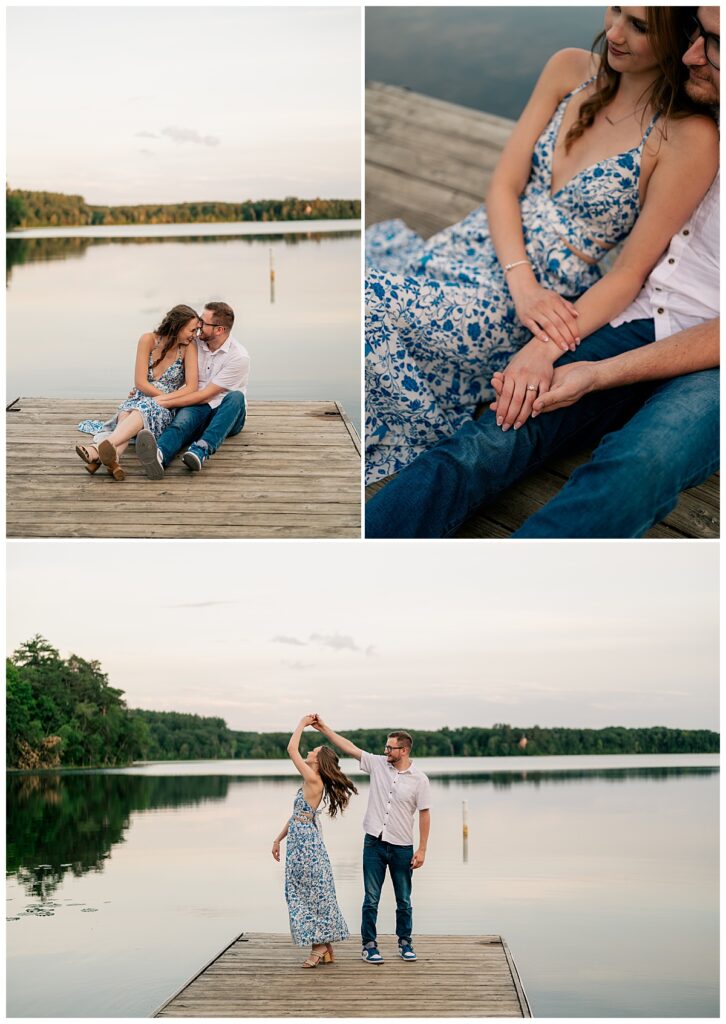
(703, 91)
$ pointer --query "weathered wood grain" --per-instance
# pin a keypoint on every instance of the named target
(429, 162)
(259, 975)
(294, 471)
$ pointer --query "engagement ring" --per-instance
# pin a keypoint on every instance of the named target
(531, 387)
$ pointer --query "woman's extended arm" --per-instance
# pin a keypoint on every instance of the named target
(543, 312)
(293, 750)
(141, 369)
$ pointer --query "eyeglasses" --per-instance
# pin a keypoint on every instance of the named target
(711, 43)
(389, 749)
(203, 323)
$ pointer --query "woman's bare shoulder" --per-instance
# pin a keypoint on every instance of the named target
(695, 136)
(573, 66)
(148, 338)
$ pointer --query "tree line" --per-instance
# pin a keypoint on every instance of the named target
(28, 209)
(63, 713)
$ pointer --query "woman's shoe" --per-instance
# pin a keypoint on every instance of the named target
(315, 958)
(91, 464)
(107, 455)
(328, 955)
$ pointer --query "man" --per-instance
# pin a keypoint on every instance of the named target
(215, 411)
(398, 789)
(654, 440)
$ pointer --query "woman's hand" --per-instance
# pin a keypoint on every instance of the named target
(307, 720)
(547, 315)
(276, 849)
(527, 375)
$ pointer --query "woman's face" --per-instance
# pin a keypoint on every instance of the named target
(629, 49)
(312, 758)
(188, 331)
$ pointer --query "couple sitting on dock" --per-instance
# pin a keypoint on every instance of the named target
(618, 146)
(397, 790)
(190, 392)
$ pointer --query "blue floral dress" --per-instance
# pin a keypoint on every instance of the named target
(315, 916)
(439, 316)
(156, 417)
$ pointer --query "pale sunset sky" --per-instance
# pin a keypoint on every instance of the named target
(385, 634)
(127, 105)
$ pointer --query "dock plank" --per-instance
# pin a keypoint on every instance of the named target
(429, 162)
(259, 975)
(294, 471)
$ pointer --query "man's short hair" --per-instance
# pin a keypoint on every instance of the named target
(404, 738)
(223, 314)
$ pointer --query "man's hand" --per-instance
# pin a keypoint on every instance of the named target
(418, 858)
(528, 374)
(569, 384)
(318, 723)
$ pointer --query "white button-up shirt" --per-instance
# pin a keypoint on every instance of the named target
(683, 289)
(394, 799)
(228, 367)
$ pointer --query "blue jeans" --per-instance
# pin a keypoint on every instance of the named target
(203, 425)
(654, 441)
(377, 856)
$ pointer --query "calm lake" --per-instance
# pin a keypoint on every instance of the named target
(601, 873)
(483, 57)
(78, 300)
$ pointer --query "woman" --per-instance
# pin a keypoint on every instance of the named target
(315, 917)
(166, 362)
(603, 151)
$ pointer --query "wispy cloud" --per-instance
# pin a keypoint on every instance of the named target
(189, 135)
(146, 135)
(288, 640)
(336, 641)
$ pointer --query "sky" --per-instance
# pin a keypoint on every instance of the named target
(173, 104)
(385, 635)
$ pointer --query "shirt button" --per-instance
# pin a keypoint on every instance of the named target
(658, 289)
(661, 311)
(686, 231)
(671, 260)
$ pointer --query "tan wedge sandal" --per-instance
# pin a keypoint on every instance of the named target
(108, 456)
(91, 465)
(315, 958)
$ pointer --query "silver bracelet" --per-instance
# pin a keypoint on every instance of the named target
(517, 263)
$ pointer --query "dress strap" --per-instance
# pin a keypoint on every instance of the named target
(649, 129)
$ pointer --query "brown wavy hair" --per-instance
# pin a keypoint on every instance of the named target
(338, 787)
(170, 326)
(666, 96)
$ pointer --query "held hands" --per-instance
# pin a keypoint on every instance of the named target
(418, 858)
(528, 375)
(569, 384)
(547, 315)
(307, 720)
(318, 723)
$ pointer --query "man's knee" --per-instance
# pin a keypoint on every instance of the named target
(234, 400)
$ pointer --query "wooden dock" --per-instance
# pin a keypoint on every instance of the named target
(429, 162)
(259, 975)
(294, 471)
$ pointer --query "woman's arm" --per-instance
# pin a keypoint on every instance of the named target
(293, 750)
(277, 840)
(141, 369)
(191, 367)
(544, 312)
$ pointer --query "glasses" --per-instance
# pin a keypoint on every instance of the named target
(711, 42)
(389, 749)
(203, 323)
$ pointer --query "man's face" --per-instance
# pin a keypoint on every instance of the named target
(394, 751)
(207, 325)
(704, 79)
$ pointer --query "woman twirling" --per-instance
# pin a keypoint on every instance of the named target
(603, 151)
(166, 363)
(315, 917)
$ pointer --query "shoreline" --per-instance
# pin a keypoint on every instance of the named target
(200, 229)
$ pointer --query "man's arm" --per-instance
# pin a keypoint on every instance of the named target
(176, 400)
(340, 741)
(424, 827)
(696, 348)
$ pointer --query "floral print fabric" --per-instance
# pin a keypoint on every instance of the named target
(439, 316)
(156, 418)
(315, 916)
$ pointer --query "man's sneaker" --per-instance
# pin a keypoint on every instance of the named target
(405, 951)
(194, 457)
(149, 455)
(371, 955)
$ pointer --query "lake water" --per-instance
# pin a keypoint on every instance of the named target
(78, 301)
(483, 57)
(601, 874)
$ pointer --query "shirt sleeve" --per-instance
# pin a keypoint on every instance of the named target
(366, 763)
(231, 375)
(424, 795)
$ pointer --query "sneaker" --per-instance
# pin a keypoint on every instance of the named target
(194, 457)
(149, 455)
(405, 951)
(371, 955)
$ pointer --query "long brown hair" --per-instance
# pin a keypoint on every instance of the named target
(170, 326)
(338, 787)
(666, 96)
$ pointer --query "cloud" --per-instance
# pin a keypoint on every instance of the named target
(288, 640)
(336, 641)
(146, 135)
(189, 135)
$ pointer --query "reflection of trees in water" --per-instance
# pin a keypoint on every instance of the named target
(505, 780)
(33, 250)
(67, 824)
